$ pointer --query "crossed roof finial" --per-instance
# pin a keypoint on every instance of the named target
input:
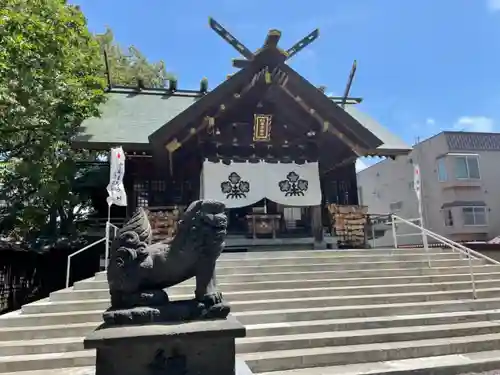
(271, 41)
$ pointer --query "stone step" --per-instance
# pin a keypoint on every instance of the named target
(187, 287)
(361, 337)
(346, 312)
(376, 322)
(389, 351)
(37, 332)
(280, 315)
(471, 362)
(284, 342)
(340, 256)
(298, 292)
(320, 253)
(334, 258)
(338, 266)
(46, 361)
(314, 275)
(308, 299)
(474, 362)
(76, 317)
(280, 360)
(453, 364)
(87, 370)
(41, 346)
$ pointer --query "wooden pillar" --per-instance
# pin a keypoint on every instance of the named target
(353, 185)
(317, 227)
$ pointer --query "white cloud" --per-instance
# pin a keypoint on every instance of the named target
(360, 165)
(475, 123)
(430, 121)
(493, 5)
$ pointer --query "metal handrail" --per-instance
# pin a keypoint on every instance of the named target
(108, 241)
(422, 233)
(106, 252)
(454, 245)
(68, 264)
(414, 220)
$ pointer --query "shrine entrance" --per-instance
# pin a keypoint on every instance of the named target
(264, 200)
(270, 220)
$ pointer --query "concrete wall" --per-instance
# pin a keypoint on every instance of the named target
(382, 186)
(389, 184)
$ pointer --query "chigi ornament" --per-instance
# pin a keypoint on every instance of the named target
(262, 128)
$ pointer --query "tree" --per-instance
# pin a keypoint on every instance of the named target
(50, 80)
(127, 66)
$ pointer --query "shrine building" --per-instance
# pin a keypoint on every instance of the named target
(266, 141)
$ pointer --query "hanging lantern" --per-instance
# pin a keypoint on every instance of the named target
(262, 128)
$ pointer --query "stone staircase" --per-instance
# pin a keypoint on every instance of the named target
(377, 311)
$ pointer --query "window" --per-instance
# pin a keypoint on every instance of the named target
(157, 192)
(467, 167)
(396, 206)
(474, 215)
(141, 190)
(441, 170)
(448, 218)
(150, 193)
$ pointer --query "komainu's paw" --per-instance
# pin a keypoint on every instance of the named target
(212, 306)
(211, 299)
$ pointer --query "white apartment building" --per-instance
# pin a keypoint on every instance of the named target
(460, 177)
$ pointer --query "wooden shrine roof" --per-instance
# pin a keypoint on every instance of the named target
(128, 119)
(148, 119)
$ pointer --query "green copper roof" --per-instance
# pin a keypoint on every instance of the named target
(129, 118)
(391, 141)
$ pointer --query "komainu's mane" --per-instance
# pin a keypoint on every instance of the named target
(133, 237)
(138, 223)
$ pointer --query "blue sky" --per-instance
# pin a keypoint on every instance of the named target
(423, 66)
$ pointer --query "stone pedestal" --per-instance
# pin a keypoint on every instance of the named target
(192, 348)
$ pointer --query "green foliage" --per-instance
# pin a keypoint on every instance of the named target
(50, 80)
(127, 66)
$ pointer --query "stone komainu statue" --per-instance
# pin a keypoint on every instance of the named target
(139, 272)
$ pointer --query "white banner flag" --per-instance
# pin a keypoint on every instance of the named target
(116, 189)
(417, 181)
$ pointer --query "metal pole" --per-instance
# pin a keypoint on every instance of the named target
(424, 234)
(472, 279)
(68, 268)
(106, 252)
(373, 234)
(393, 222)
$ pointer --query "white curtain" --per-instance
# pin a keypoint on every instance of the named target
(237, 184)
(293, 184)
(243, 184)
